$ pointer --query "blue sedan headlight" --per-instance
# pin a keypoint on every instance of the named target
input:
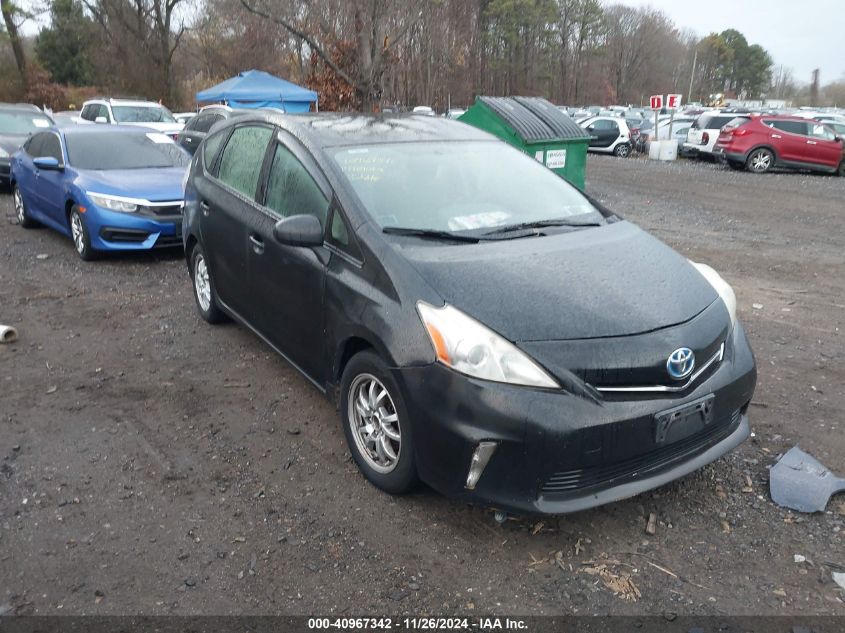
(115, 203)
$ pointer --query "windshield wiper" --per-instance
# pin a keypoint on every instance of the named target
(540, 224)
(430, 233)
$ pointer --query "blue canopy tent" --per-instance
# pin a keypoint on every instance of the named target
(257, 89)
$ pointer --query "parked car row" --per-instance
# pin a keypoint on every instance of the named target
(410, 269)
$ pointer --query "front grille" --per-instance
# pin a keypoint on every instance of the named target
(165, 209)
(567, 481)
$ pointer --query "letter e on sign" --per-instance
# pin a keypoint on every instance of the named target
(673, 101)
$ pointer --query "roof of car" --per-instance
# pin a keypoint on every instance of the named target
(335, 129)
(118, 101)
(23, 109)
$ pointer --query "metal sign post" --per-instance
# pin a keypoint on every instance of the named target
(656, 105)
(673, 102)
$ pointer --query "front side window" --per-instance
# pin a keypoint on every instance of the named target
(458, 186)
(240, 164)
(52, 147)
(820, 130)
(291, 190)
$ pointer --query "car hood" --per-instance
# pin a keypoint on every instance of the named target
(614, 280)
(12, 142)
(155, 185)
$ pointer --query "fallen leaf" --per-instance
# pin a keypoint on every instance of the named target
(538, 527)
(239, 539)
(779, 592)
(726, 528)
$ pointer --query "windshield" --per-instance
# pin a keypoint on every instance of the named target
(121, 150)
(458, 186)
(20, 123)
(142, 114)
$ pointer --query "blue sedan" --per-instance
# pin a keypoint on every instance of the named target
(110, 189)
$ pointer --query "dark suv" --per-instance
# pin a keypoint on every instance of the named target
(765, 141)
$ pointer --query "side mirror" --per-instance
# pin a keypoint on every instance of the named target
(47, 163)
(101, 119)
(299, 230)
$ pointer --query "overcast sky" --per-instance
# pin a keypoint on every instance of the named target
(797, 36)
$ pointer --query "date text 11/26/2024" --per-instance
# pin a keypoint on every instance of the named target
(418, 624)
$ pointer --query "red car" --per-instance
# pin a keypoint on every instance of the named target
(767, 141)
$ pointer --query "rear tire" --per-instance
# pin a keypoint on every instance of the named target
(20, 210)
(377, 425)
(204, 291)
(81, 236)
(760, 160)
(623, 150)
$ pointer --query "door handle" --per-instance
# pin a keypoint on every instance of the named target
(776, 136)
(811, 143)
(257, 244)
(204, 207)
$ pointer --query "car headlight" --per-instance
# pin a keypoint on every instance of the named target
(721, 286)
(465, 345)
(115, 203)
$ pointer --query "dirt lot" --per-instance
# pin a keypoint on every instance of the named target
(150, 463)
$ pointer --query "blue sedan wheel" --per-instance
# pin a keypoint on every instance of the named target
(81, 237)
(20, 210)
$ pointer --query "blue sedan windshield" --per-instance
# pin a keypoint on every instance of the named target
(458, 186)
(124, 150)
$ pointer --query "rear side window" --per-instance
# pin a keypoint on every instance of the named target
(291, 190)
(240, 164)
(793, 127)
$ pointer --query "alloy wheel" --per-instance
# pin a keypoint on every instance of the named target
(760, 161)
(622, 150)
(202, 284)
(19, 208)
(78, 232)
(374, 423)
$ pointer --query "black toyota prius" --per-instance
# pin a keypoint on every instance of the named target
(483, 326)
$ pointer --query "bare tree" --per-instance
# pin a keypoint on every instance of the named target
(143, 30)
(373, 36)
(9, 10)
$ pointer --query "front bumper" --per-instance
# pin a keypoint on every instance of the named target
(559, 453)
(114, 231)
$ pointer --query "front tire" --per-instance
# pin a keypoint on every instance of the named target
(760, 160)
(377, 425)
(81, 236)
(623, 150)
(20, 210)
(204, 292)
(841, 171)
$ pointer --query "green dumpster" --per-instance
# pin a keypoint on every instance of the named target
(538, 128)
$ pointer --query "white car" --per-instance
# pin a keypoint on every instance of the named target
(148, 114)
(704, 132)
(611, 135)
(184, 117)
(426, 110)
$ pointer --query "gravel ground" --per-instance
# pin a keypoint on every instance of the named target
(151, 464)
